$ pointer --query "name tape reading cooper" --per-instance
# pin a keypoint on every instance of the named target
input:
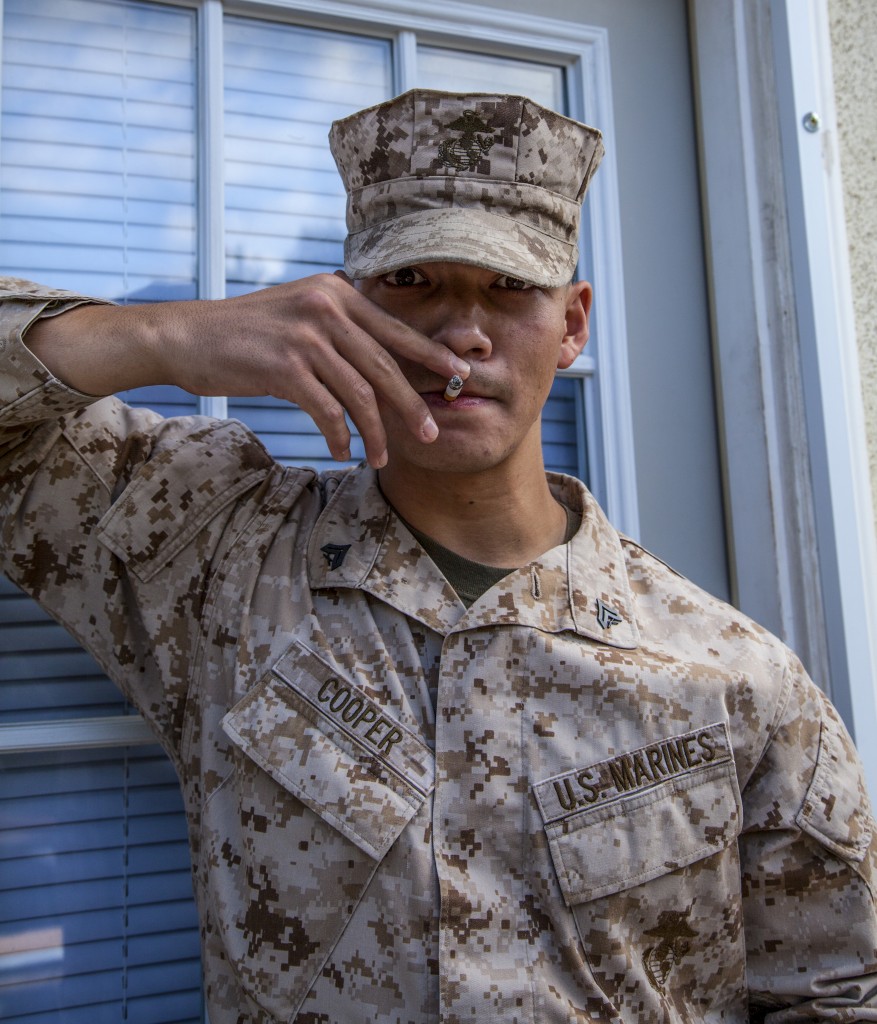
(633, 772)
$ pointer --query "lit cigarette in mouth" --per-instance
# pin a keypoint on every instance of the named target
(455, 386)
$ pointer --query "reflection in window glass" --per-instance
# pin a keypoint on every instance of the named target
(284, 86)
(98, 174)
(461, 71)
(98, 147)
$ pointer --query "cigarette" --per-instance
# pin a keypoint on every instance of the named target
(455, 386)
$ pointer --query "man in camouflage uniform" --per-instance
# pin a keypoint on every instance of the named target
(532, 775)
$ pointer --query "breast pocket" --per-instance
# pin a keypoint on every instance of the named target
(644, 848)
(324, 783)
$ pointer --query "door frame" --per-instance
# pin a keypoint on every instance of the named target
(800, 515)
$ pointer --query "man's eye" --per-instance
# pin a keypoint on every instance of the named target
(404, 277)
(514, 284)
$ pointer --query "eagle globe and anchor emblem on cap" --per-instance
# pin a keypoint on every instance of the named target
(465, 151)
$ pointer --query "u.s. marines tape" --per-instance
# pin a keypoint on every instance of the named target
(632, 773)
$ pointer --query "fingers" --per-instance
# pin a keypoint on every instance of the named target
(381, 380)
(400, 337)
(403, 340)
(328, 391)
(321, 343)
(329, 416)
(353, 373)
(350, 364)
(371, 342)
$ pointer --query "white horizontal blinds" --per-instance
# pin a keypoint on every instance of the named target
(289, 433)
(98, 141)
(97, 923)
(284, 213)
(563, 436)
(284, 86)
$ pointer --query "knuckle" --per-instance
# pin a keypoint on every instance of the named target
(334, 417)
(384, 363)
(317, 301)
(417, 408)
(363, 392)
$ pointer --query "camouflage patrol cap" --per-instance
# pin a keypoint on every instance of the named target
(492, 180)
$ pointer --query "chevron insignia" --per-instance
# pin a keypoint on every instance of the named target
(334, 554)
(606, 617)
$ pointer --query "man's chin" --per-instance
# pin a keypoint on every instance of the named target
(447, 455)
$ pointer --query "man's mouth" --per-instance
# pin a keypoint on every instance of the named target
(465, 400)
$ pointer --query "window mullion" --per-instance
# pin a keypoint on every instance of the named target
(405, 61)
(211, 190)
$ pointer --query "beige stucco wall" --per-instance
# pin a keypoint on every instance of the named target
(854, 49)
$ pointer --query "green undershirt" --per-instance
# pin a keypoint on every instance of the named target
(472, 579)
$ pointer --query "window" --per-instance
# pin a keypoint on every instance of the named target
(154, 151)
(97, 922)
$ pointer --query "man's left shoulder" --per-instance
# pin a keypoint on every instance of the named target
(672, 607)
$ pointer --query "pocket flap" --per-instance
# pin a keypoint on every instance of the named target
(836, 812)
(632, 818)
(179, 490)
(324, 740)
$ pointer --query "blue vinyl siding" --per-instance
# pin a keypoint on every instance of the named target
(97, 921)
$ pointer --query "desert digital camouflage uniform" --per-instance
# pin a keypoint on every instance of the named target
(596, 795)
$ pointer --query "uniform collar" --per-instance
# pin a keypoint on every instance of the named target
(359, 542)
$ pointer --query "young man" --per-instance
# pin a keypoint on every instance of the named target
(451, 749)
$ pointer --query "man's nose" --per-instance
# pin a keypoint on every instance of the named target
(465, 334)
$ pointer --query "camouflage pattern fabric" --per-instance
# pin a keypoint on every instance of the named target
(629, 804)
(492, 180)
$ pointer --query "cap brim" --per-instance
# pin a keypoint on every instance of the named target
(457, 235)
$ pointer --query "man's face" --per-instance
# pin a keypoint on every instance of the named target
(513, 334)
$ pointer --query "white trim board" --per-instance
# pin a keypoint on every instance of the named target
(800, 527)
(829, 357)
(768, 489)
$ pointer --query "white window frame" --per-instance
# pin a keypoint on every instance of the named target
(584, 53)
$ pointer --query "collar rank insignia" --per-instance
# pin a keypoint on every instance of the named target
(334, 554)
(465, 152)
(606, 617)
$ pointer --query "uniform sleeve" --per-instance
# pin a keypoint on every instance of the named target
(28, 391)
(808, 856)
(111, 517)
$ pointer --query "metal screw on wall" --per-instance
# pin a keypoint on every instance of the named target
(812, 121)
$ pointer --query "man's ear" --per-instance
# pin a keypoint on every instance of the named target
(578, 314)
